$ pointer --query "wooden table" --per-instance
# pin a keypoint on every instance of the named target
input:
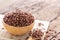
(42, 9)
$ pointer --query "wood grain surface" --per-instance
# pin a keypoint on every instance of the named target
(42, 9)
